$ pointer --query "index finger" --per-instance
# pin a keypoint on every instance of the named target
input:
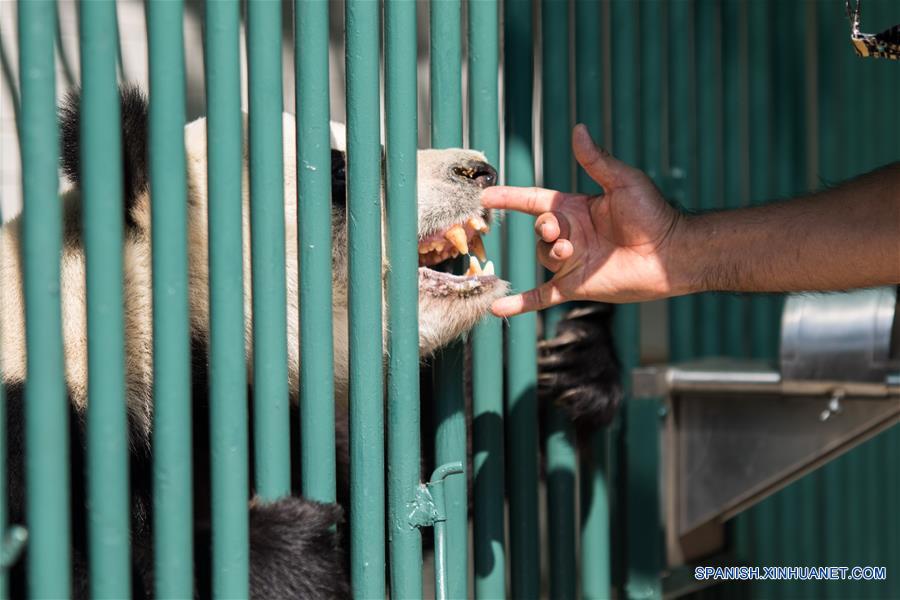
(533, 201)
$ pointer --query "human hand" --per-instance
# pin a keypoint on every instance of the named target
(613, 247)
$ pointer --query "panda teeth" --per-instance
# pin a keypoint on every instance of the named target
(474, 267)
(456, 235)
(488, 268)
(478, 248)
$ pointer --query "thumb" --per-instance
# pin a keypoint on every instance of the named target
(603, 167)
(539, 298)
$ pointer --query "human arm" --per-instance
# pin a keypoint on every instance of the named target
(629, 245)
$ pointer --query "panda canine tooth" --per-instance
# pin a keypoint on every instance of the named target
(488, 268)
(456, 235)
(478, 248)
(474, 267)
(478, 224)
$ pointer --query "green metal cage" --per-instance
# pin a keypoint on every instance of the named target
(721, 102)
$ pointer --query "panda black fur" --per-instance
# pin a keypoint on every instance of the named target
(297, 548)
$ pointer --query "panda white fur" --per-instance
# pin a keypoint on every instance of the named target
(295, 551)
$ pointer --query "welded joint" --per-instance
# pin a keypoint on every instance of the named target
(427, 508)
(12, 546)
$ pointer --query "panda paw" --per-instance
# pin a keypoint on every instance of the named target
(296, 551)
(579, 370)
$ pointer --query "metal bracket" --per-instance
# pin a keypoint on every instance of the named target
(427, 510)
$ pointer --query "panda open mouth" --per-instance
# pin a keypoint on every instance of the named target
(438, 249)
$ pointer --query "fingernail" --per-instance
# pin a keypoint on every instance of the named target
(498, 306)
(544, 230)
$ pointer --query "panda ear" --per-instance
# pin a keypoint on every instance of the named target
(134, 117)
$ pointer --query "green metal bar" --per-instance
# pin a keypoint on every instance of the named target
(790, 104)
(521, 392)
(404, 451)
(314, 226)
(626, 145)
(46, 411)
(734, 181)
(5, 528)
(709, 151)
(681, 185)
(595, 531)
(228, 370)
(172, 430)
(487, 338)
(450, 433)
(760, 118)
(271, 423)
(101, 189)
(559, 440)
(364, 227)
(832, 144)
(644, 533)
(764, 517)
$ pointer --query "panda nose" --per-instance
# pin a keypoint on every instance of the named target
(480, 173)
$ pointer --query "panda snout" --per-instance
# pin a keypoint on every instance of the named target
(478, 172)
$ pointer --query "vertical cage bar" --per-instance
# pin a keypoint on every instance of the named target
(450, 420)
(364, 229)
(487, 338)
(681, 183)
(760, 106)
(594, 489)
(559, 433)
(733, 40)
(46, 412)
(644, 531)
(759, 25)
(172, 430)
(404, 452)
(709, 152)
(101, 189)
(271, 423)
(4, 503)
(314, 227)
(521, 393)
(626, 146)
(228, 370)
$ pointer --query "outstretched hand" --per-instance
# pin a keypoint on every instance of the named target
(612, 247)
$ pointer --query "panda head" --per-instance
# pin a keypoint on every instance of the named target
(450, 222)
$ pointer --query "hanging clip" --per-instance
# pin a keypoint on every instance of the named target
(877, 45)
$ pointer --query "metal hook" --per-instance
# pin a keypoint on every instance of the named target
(853, 15)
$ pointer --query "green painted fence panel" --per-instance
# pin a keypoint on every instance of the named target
(173, 493)
(450, 420)
(47, 474)
(521, 392)
(271, 423)
(101, 190)
(404, 450)
(317, 450)
(228, 369)
(487, 339)
(367, 503)
(558, 431)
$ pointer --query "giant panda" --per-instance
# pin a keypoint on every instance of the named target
(296, 550)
